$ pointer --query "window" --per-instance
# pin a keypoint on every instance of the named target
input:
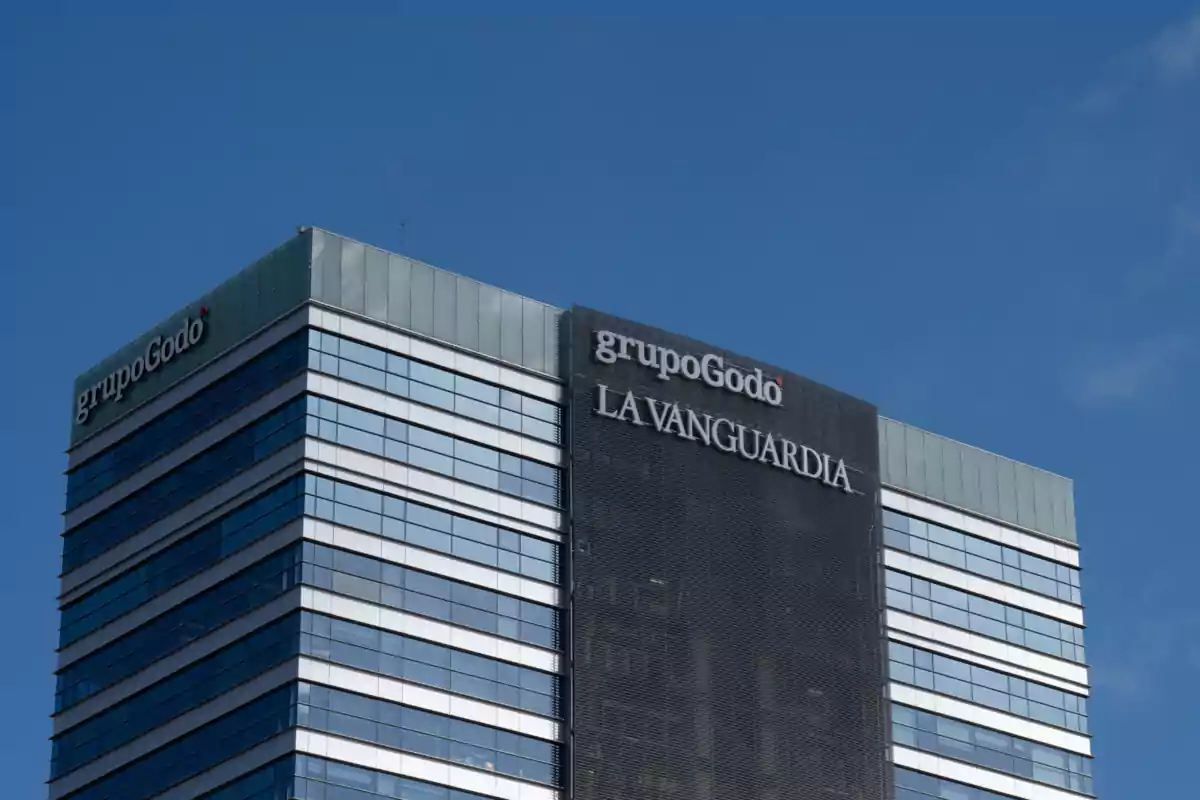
(187, 419)
(1008, 693)
(981, 556)
(991, 749)
(988, 617)
(434, 386)
(433, 451)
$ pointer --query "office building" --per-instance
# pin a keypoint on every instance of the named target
(352, 527)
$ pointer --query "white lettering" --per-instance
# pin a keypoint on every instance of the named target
(841, 479)
(604, 347)
(675, 421)
(668, 364)
(789, 457)
(159, 350)
(712, 368)
(123, 378)
(768, 448)
(629, 406)
(728, 445)
(647, 355)
(725, 435)
(658, 413)
(697, 430)
(602, 402)
(813, 466)
(709, 368)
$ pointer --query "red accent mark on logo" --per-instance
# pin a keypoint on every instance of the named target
(779, 380)
(203, 311)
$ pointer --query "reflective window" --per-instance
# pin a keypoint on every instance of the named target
(919, 786)
(182, 691)
(275, 781)
(434, 386)
(182, 560)
(183, 484)
(418, 661)
(987, 687)
(429, 595)
(319, 779)
(981, 556)
(187, 419)
(166, 633)
(224, 738)
(437, 452)
(384, 515)
(433, 735)
(984, 747)
(988, 617)
(337, 502)
(323, 637)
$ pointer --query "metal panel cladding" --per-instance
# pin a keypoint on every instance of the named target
(726, 613)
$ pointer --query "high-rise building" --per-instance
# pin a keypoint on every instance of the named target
(352, 527)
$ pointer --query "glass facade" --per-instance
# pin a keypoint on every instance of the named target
(404, 443)
(987, 687)
(912, 785)
(186, 558)
(337, 571)
(338, 712)
(140, 670)
(981, 615)
(437, 736)
(184, 690)
(184, 484)
(983, 747)
(457, 671)
(434, 386)
(321, 498)
(422, 526)
(201, 615)
(981, 556)
(305, 777)
(187, 419)
(392, 586)
(183, 758)
(319, 636)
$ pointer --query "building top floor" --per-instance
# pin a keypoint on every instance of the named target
(317, 266)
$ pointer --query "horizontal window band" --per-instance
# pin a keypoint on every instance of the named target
(989, 749)
(1005, 533)
(987, 785)
(431, 630)
(202, 413)
(987, 647)
(221, 365)
(414, 345)
(998, 690)
(940, 646)
(1040, 576)
(353, 466)
(971, 582)
(348, 751)
(966, 711)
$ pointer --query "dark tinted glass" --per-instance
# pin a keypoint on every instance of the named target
(183, 484)
(185, 420)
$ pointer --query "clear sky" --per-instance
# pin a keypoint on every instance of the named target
(988, 225)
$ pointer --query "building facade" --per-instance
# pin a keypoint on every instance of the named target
(352, 527)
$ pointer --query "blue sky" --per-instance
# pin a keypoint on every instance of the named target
(988, 225)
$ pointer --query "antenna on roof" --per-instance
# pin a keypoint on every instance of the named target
(403, 238)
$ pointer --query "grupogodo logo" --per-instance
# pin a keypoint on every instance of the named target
(160, 350)
(710, 368)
